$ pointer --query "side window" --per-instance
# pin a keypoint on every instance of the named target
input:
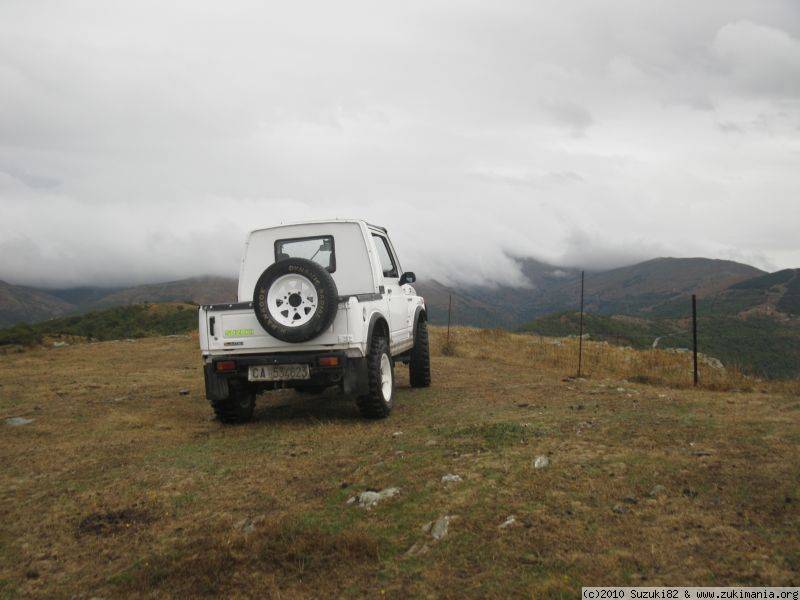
(388, 263)
(319, 249)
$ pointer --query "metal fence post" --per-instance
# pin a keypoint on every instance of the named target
(694, 336)
(449, 310)
(580, 332)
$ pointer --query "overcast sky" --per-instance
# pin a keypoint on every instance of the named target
(139, 141)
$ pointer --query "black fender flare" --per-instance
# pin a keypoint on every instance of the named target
(419, 313)
(374, 320)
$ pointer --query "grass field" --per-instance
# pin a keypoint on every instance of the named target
(121, 486)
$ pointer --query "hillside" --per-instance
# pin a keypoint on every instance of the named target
(82, 297)
(747, 318)
(200, 290)
(651, 287)
(119, 484)
(22, 304)
(467, 306)
(617, 329)
(645, 285)
(501, 305)
(630, 305)
(757, 344)
(19, 304)
(119, 322)
(639, 289)
(775, 293)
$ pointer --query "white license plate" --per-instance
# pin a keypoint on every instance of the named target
(278, 373)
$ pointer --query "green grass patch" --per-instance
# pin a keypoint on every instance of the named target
(491, 435)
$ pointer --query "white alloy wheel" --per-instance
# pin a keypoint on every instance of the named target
(386, 378)
(292, 300)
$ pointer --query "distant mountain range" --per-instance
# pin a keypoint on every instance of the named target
(20, 304)
(640, 289)
(633, 304)
(654, 288)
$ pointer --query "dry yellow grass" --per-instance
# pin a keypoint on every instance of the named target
(121, 487)
(600, 359)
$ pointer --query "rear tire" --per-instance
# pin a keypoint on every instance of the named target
(377, 404)
(419, 365)
(236, 408)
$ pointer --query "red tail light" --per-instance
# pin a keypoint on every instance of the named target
(329, 361)
(225, 366)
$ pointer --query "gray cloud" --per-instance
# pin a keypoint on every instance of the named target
(141, 143)
(761, 59)
(569, 114)
(32, 180)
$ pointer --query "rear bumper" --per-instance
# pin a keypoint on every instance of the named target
(350, 373)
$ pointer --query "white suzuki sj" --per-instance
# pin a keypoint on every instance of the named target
(321, 304)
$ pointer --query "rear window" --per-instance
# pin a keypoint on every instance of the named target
(317, 248)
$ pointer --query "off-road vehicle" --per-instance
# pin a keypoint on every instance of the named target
(320, 304)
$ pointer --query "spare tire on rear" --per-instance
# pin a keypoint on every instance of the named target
(295, 300)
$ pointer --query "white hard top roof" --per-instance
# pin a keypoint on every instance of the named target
(320, 222)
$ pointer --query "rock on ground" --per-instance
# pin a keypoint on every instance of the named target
(540, 462)
(248, 525)
(438, 528)
(417, 549)
(450, 478)
(369, 499)
(710, 361)
(16, 421)
(511, 520)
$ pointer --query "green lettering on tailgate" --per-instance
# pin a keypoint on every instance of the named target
(239, 332)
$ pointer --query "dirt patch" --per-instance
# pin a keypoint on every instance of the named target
(113, 522)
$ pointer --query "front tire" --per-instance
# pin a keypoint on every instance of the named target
(378, 403)
(236, 408)
(419, 365)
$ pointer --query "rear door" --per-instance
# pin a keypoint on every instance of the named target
(398, 303)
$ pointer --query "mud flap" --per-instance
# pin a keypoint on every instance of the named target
(355, 377)
(216, 385)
